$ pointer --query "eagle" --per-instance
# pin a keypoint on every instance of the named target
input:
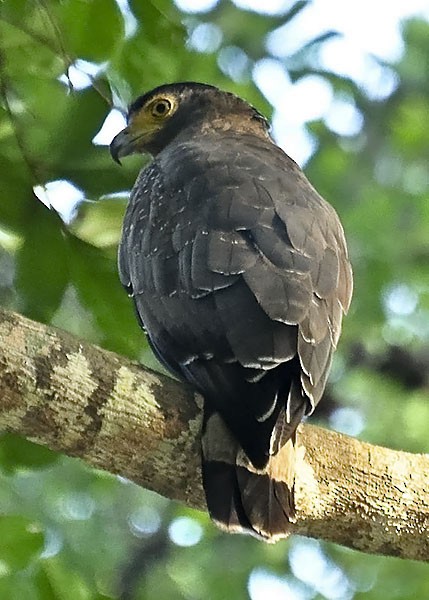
(239, 273)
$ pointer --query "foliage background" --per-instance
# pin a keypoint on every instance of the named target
(67, 532)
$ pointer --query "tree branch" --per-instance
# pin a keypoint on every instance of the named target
(114, 414)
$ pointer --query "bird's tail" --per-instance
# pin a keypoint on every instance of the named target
(241, 498)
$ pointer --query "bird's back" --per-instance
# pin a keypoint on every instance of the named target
(240, 276)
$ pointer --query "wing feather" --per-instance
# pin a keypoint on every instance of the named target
(241, 276)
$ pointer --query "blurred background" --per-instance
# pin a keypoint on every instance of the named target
(347, 87)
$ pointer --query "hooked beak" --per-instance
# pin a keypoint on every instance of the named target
(123, 144)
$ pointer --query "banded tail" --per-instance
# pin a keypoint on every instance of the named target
(241, 498)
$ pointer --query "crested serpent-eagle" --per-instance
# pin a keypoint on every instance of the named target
(239, 274)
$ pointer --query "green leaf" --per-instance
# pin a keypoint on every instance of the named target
(16, 197)
(95, 277)
(17, 453)
(99, 223)
(44, 585)
(37, 136)
(92, 29)
(63, 582)
(20, 541)
(81, 120)
(42, 265)
(159, 18)
(96, 173)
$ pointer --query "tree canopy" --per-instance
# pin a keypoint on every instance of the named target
(67, 531)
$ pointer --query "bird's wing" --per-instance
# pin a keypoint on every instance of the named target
(239, 273)
(269, 226)
(231, 255)
(287, 246)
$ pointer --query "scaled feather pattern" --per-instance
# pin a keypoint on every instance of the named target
(240, 276)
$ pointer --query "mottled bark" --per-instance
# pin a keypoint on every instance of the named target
(87, 402)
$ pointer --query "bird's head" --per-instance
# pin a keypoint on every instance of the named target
(158, 116)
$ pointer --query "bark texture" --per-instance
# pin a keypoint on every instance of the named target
(86, 402)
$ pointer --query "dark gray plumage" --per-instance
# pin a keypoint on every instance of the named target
(239, 274)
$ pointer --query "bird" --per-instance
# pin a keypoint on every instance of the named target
(239, 274)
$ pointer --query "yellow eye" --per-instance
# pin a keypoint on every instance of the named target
(161, 107)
